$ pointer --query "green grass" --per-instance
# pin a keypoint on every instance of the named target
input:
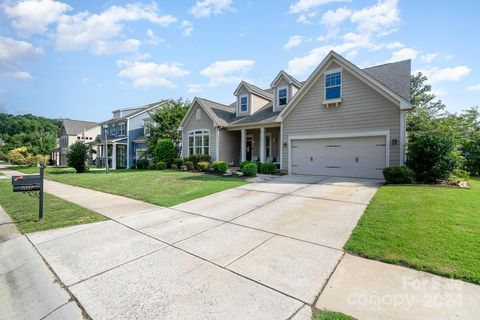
(426, 228)
(58, 213)
(164, 188)
(329, 315)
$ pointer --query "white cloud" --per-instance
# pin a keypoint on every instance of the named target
(302, 6)
(34, 16)
(395, 45)
(195, 88)
(15, 53)
(474, 88)
(187, 28)
(100, 32)
(428, 57)
(293, 41)
(334, 18)
(381, 18)
(452, 74)
(150, 74)
(227, 72)
(403, 54)
(205, 8)
(153, 38)
(20, 75)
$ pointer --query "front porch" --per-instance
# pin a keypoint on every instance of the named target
(115, 153)
(260, 144)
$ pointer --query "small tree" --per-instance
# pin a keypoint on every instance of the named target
(165, 151)
(77, 156)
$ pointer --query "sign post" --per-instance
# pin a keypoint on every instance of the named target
(40, 200)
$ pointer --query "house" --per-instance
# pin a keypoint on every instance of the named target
(125, 136)
(70, 132)
(341, 121)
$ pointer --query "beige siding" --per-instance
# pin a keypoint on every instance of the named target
(229, 146)
(362, 109)
(193, 124)
(257, 102)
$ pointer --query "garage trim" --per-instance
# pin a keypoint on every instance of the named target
(386, 134)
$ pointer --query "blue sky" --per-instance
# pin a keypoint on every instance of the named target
(83, 59)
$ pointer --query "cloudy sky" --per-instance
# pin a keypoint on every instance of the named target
(82, 59)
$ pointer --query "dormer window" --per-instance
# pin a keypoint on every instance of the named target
(333, 86)
(243, 104)
(282, 97)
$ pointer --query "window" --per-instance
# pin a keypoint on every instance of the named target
(282, 97)
(199, 114)
(243, 104)
(112, 129)
(268, 145)
(333, 86)
(122, 128)
(199, 142)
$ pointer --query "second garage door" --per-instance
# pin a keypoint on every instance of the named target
(360, 157)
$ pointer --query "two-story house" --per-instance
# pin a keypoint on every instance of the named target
(70, 132)
(342, 121)
(125, 136)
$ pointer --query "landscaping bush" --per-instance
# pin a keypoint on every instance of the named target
(196, 158)
(399, 175)
(152, 166)
(219, 166)
(142, 163)
(203, 166)
(174, 167)
(178, 162)
(267, 168)
(471, 151)
(432, 157)
(250, 169)
(460, 174)
(161, 165)
(243, 163)
(189, 165)
(77, 156)
(18, 156)
(165, 151)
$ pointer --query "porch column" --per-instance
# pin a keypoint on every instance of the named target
(262, 144)
(114, 156)
(243, 145)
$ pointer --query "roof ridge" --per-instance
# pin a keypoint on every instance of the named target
(385, 64)
(212, 101)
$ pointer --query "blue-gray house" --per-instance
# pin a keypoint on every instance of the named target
(125, 134)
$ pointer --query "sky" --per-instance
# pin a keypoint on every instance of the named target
(83, 59)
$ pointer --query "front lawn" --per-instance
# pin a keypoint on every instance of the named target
(58, 213)
(427, 228)
(161, 187)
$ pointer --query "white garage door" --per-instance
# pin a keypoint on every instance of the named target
(360, 157)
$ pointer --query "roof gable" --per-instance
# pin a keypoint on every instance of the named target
(219, 113)
(283, 75)
(253, 89)
(74, 127)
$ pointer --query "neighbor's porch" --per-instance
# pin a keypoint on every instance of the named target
(116, 155)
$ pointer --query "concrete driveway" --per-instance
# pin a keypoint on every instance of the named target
(260, 251)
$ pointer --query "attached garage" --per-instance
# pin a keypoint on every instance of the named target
(353, 156)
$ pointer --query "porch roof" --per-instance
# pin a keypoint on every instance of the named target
(265, 115)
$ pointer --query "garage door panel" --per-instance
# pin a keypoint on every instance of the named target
(362, 157)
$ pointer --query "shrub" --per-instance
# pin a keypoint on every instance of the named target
(161, 165)
(219, 166)
(165, 151)
(471, 151)
(189, 165)
(18, 156)
(243, 163)
(250, 169)
(77, 156)
(178, 162)
(174, 167)
(142, 163)
(432, 156)
(203, 166)
(460, 174)
(152, 166)
(399, 175)
(267, 168)
(196, 158)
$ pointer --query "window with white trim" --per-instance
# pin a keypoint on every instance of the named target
(122, 128)
(199, 142)
(333, 86)
(198, 115)
(243, 104)
(282, 97)
(112, 129)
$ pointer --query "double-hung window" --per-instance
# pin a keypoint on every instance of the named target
(199, 142)
(122, 128)
(243, 103)
(112, 130)
(282, 97)
(333, 86)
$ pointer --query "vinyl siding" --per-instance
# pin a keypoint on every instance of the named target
(257, 102)
(362, 109)
(229, 146)
(193, 124)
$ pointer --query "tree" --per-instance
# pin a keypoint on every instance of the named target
(77, 156)
(165, 152)
(166, 120)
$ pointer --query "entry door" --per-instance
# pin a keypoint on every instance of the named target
(121, 156)
(361, 157)
(249, 150)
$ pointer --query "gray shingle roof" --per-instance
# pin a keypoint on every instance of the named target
(395, 76)
(74, 127)
(135, 111)
(259, 91)
(220, 113)
(262, 116)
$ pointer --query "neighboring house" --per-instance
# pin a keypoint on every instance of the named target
(71, 131)
(342, 121)
(125, 136)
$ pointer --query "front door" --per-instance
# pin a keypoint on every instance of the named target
(121, 156)
(249, 149)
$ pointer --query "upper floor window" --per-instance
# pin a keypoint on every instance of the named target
(198, 114)
(243, 103)
(112, 129)
(333, 86)
(282, 97)
(122, 128)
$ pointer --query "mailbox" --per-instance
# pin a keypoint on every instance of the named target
(26, 183)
